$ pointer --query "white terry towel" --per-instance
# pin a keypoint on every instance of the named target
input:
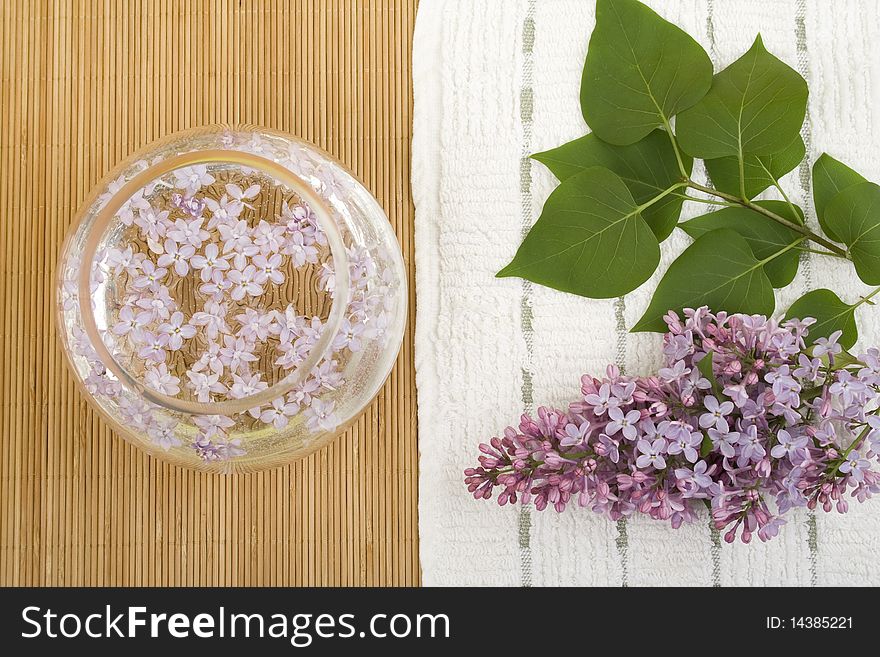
(495, 81)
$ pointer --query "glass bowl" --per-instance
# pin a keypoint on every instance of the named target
(231, 298)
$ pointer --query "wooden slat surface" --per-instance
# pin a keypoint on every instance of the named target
(83, 83)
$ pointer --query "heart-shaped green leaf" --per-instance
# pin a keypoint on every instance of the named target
(590, 239)
(831, 314)
(854, 216)
(764, 236)
(756, 106)
(830, 177)
(718, 270)
(647, 167)
(640, 71)
(759, 171)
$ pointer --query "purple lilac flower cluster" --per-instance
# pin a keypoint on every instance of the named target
(746, 417)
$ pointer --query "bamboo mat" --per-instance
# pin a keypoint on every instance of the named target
(83, 83)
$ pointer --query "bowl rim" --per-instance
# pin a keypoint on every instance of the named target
(102, 220)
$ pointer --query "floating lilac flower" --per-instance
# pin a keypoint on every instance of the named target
(245, 386)
(129, 321)
(349, 336)
(244, 283)
(223, 211)
(153, 346)
(189, 233)
(150, 276)
(277, 415)
(177, 331)
(299, 250)
(214, 425)
(124, 260)
(163, 433)
(287, 325)
(189, 205)
(268, 269)
(327, 376)
(156, 305)
(176, 256)
(320, 416)
(217, 287)
(153, 224)
(304, 393)
(204, 384)
(210, 262)
(236, 352)
(98, 383)
(243, 196)
(213, 318)
(269, 238)
(161, 380)
(255, 326)
(237, 240)
(192, 178)
(327, 278)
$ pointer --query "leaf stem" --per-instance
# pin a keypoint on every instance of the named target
(777, 186)
(818, 252)
(708, 201)
(866, 299)
(684, 172)
(787, 247)
(663, 194)
(803, 230)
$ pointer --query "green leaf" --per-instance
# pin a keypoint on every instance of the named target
(705, 365)
(756, 106)
(718, 270)
(706, 447)
(764, 236)
(845, 359)
(590, 239)
(647, 167)
(854, 216)
(830, 177)
(760, 171)
(640, 71)
(831, 314)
